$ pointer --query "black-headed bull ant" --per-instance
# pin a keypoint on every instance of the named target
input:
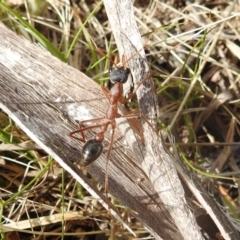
(93, 148)
(118, 75)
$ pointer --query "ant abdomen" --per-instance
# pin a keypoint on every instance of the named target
(91, 151)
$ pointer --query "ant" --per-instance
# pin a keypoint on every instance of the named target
(93, 148)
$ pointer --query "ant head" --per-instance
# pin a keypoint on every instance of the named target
(119, 72)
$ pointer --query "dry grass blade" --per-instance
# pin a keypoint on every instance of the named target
(20, 146)
(226, 152)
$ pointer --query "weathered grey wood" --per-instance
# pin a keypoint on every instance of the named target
(159, 165)
(39, 92)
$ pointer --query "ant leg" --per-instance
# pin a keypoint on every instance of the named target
(81, 129)
(108, 159)
(81, 132)
(139, 115)
(129, 116)
(131, 95)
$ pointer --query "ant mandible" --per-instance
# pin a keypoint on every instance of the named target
(93, 148)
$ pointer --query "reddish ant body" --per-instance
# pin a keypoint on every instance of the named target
(93, 148)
